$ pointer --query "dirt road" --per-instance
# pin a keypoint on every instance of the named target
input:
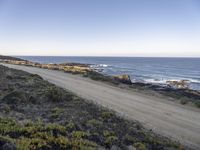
(161, 115)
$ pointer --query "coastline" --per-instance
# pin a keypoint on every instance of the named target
(177, 91)
(158, 71)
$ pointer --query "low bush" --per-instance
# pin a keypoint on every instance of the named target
(5, 108)
(35, 136)
(55, 94)
(139, 146)
(14, 97)
(70, 126)
(111, 140)
(56, 112)
(107, 114)
(94, 122)
(79, 134)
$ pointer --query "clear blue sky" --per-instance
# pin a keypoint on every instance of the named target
(100, 27)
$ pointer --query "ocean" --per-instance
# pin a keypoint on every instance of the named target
(140, 69)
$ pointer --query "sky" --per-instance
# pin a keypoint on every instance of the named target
(149, 28)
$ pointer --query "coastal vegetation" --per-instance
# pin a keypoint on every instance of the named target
(35, 114)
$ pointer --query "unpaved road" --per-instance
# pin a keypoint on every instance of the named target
(163, 116)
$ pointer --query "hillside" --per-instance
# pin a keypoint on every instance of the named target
(35, 114)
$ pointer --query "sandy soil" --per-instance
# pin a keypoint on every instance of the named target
(160, 115)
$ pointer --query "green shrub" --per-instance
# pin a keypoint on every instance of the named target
(55, 94)
(130, 139)
(83, 144)
(15, 97)
(70, 126)
(139, 146)
(110, 137)
(94, 122)
(79, 134)
(56, 112)
(49, 142)
(57, 129)
(107, 114)
(107, 133)
(5, 108)
(111, 140)
(9, 127)
(30, 144)
(34, 135)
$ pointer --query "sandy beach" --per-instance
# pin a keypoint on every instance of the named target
(162, 116)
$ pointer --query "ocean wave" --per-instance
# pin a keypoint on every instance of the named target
(156, 81)
(194, 81)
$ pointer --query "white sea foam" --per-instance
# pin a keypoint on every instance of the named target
(195, 81)
(100, 66)
(103, 65)
(156, 81)
(164, 81)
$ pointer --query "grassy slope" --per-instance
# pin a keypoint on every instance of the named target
(42, 115)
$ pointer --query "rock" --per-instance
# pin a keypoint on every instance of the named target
(8, 146)
(123, 79)
(182, 84)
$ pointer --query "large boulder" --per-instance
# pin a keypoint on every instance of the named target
(123, 79)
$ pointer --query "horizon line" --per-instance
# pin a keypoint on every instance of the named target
(104, 56)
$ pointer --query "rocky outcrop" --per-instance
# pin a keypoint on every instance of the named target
(182, 84)
(123, 79)
(76, 69)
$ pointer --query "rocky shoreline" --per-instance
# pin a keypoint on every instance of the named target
(78, 68)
